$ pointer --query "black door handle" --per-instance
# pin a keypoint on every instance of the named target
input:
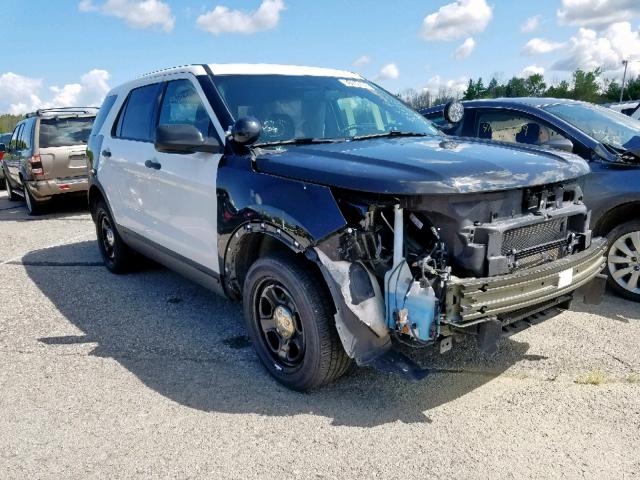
(153, 164)
(106, 153)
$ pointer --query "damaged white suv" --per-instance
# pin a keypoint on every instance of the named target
(343, 219)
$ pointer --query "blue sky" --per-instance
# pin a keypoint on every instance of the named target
(74, 49)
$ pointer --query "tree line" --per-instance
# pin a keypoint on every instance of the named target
(584, 85)
(8, 122)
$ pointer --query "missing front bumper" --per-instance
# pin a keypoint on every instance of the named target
(475, 300)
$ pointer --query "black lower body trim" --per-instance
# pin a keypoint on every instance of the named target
(184, 266)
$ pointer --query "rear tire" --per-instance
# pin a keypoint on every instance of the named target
(13, 197)
(623, 260)
(33, 206)
(3, 183)
(117, 255)
(291, 325)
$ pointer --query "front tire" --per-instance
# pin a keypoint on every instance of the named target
(117, 256)
(291, 325)
(623, 260)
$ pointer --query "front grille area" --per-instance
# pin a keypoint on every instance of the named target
(539, 255)
(524, 238)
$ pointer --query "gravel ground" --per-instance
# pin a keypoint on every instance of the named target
(148, 375)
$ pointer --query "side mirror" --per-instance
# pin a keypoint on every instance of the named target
(453, 112)
(181, 138)
(559, 143)
(3, 148)
(246, 131)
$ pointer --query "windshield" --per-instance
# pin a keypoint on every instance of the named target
(319, 108)
(65, 132)
(603, 124)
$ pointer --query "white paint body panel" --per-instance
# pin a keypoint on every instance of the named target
(174, 207)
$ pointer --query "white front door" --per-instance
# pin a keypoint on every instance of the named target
(180, 196)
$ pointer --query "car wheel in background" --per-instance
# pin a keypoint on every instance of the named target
(3, 183)
(291, 325)
(117, 255)
(33, 206)
(13, 197)
(623, 260)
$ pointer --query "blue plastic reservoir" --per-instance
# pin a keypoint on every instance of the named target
(421, 306)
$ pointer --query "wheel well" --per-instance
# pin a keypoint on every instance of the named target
(95, 195)
(621, 214)
(254, 246)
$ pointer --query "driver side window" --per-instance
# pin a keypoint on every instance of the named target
(513, 128)
(182, 106)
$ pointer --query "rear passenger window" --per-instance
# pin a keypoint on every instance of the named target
(137, 117)
(24, 141)
(13, 144)
(182, 106)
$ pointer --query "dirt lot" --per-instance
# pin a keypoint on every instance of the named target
(149, 375)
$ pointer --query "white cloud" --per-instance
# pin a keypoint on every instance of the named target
(465, 49)
(454, 87)
(531, 24)
(223, 20)
(597, 13)
(537, 46)
(137, 13)
(20, 94)
(590, 49)
(459, 19)
(389, 72)
(362, 61)
(531, 70)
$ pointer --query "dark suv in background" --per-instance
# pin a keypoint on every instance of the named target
(609, 140)
(46, 156)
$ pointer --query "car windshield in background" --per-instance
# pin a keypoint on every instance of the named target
(65, 132)
(603, 124)
(5, 138)
(318, 108)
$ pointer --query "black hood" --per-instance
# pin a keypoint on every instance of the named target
(421, 165)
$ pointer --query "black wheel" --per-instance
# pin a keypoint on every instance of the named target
(623, 260)
(117, 256)
(33, 206)
(13, 197)
(3, 183)
(290, 323)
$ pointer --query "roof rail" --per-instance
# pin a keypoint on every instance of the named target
(63, 110)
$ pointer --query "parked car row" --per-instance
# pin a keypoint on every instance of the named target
(348, 225)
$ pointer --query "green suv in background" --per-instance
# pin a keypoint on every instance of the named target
(46, 156)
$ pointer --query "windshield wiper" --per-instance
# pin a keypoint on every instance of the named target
(391, 133)
(300, 141)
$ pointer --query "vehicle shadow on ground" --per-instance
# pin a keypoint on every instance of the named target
(188, 345)
(57, 208)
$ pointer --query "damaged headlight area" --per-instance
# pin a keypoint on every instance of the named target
(420, 269)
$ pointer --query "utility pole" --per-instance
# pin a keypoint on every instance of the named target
(624, 77)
